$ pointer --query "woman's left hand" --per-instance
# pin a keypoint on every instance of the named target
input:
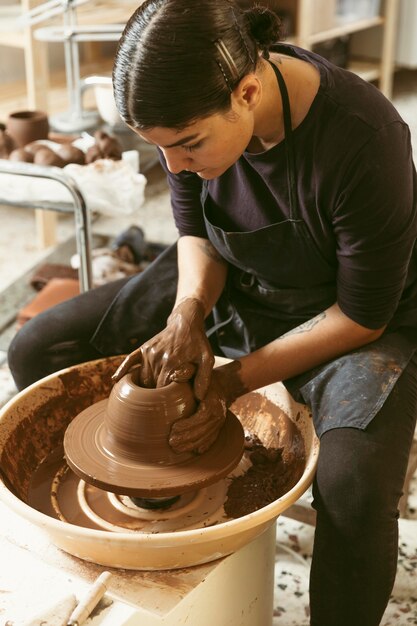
(199, 431)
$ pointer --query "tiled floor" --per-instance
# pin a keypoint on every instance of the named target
(294, 549)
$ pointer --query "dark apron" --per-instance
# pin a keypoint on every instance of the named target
(277, 280)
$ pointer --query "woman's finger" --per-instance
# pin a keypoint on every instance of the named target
(135, 358)
(183, 373)
(146, 374)
(195, 441)
(203, 376)
(203, 447)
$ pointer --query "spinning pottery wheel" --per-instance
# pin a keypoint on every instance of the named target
(193, 531)
(121, 444)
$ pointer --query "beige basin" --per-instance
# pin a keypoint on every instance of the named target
(33, 423)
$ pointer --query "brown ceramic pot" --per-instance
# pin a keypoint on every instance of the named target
(138, 420)
(27, 126)
(121, 444)
(20, 154)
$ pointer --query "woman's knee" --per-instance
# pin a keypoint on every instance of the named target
(25, 350)
(352, 487)
(36, 351)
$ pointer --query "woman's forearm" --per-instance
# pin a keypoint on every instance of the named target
(326, 336)
(201, 272)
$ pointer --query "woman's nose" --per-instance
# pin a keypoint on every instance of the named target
(176, 161)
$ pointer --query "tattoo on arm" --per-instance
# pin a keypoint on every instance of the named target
(306, 326)
(209, 250)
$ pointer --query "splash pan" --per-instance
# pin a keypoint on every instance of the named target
(112, 530)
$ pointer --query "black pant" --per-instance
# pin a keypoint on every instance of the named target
(359, 478)
(356, 490)
(60, 337)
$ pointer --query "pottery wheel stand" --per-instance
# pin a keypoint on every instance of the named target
(235, 591)
(37, 567)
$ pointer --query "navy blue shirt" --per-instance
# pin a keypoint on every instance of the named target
(356, 186)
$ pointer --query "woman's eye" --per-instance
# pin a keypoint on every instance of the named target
(194, 146)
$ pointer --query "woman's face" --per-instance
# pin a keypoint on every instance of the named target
(208, 146)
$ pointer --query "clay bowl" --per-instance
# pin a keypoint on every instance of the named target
(33, 424)
(122, 444)
(137, 421)
(27, 126)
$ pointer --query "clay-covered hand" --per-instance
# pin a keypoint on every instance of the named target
(199, 431)
(178, 353)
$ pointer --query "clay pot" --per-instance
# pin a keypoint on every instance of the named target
(20, 154)
(138, 421)
(35, 146)
(46, 156)
(105, 147)
(121, 444)
(27, 126)
(71, 154)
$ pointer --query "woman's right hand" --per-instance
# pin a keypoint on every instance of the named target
(178, 353)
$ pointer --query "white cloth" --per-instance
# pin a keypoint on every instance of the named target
(108, 187)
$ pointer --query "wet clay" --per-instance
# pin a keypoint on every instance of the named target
(106, 147)
(56, 491)
(32, 452)
(122, 444)
(46, 416)
(274, 470)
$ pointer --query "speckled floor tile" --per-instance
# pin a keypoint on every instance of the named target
(293, 557)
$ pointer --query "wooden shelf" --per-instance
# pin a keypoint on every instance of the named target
(106, 12)
(9, 35)
(307, 16)
(366, 69)
(96, 12)
(345, 28)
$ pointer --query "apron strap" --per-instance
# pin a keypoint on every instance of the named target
(289, 145)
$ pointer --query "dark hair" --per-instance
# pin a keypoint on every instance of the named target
(179, 60)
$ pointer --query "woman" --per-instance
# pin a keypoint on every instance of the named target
(293, 190)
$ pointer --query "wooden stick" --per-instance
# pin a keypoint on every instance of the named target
(87, 604)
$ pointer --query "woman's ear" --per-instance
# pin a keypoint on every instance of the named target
(248, 92)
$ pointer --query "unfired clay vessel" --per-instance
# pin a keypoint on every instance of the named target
(122, 444)
(27, 126)
(20, 154)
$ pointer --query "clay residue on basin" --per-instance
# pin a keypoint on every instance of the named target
(272, 463)
(47, 413)
(276, 453)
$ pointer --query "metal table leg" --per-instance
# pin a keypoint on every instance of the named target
(78, 207)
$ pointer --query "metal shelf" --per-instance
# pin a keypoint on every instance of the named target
(77, 207)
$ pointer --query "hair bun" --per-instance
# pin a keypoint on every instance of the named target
(264, 26)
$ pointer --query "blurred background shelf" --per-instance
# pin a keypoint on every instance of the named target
(330, 27)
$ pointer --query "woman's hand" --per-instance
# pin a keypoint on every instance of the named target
(199, 431)
(178, 353)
